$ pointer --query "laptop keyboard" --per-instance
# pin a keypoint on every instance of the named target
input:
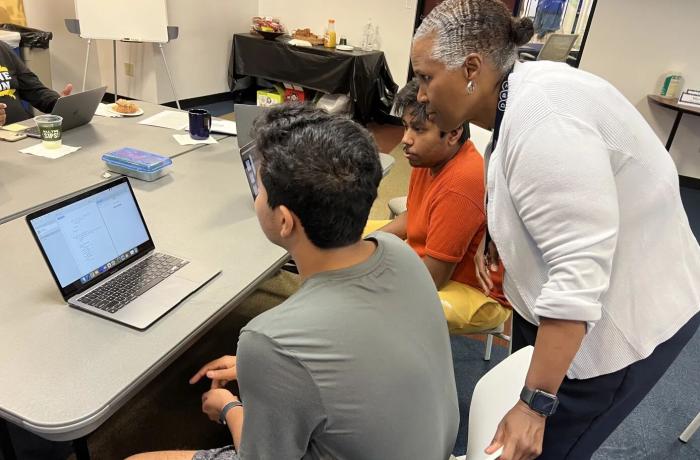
(125, 287)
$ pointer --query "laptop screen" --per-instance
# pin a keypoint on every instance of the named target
(250, 166)
(85, 238)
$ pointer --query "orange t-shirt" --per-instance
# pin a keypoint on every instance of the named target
(446, 218)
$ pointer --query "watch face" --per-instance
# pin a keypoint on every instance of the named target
(543, 403)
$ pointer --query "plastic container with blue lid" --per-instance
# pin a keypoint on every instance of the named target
(137, 163)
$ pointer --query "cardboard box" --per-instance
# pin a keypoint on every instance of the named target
(293, 93)
(268, 97)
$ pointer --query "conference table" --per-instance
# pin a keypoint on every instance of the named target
(28, 182)
(65, 372)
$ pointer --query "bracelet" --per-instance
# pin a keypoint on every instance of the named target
(226, 408)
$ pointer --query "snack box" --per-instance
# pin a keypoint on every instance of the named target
(293, 93)
(267, 97)
(137, 163)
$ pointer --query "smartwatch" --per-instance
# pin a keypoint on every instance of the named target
(540, 401)
(228, 407)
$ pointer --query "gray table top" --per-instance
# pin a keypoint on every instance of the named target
(28, 182)
(64, 371)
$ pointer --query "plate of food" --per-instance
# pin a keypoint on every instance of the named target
(269, 28)
(307, 35)
(125, 108)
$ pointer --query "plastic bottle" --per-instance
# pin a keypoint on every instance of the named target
(368, 32)
(329, 39)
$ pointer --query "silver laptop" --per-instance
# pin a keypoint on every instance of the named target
(76, 109)
(102, 257)
(248, 158)
(245, 116)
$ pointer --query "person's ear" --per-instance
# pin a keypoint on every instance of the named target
(287, 223)
(454, 136)
(472, 66)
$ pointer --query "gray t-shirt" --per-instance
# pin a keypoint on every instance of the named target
(355, 365)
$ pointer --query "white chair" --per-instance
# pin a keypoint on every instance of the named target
(691, 429)
(387, 162)
(397, 206)
(556, 48)
(494, 395)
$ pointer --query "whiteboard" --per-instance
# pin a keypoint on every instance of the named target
(131, 20)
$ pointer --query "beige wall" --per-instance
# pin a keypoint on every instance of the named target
(633, 42)
(198, 59)
(395, 19)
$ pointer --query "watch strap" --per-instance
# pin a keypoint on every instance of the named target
(227, 407)
(528, 395)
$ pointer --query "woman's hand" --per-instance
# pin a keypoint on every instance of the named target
(485, 263)
(520, 433)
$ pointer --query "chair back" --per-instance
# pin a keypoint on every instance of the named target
(557, 47)
(494, 395)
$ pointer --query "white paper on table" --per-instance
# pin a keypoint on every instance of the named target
(41, 151)
(223, 127)
(103, 111)
(168, 119)
(185, 139)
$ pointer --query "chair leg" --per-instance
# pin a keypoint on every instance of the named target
(692, 428)
(489, 346)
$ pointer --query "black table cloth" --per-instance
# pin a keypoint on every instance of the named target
(364, 75)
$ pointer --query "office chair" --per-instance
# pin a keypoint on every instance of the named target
(556, 48)
(691, 429)
(494, 395)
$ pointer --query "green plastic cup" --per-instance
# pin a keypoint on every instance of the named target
(50, 130)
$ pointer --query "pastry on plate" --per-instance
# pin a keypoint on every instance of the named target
(124, 106)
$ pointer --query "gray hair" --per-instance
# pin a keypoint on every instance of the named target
(461, 27)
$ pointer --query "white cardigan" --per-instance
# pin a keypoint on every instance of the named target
(585, 208)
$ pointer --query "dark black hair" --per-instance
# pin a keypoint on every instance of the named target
(324, 168)
(407, 102)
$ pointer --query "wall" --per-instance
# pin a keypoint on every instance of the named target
(198, 59)
(631, 43)
(67, 50)
(395, 19)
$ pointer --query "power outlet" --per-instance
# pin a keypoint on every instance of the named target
(129, 69)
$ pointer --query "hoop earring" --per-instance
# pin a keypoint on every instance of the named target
(470, 87)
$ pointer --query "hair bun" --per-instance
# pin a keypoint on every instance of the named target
(522, 30)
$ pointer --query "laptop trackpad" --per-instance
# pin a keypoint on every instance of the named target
(154, 303)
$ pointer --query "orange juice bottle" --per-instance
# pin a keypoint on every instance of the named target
(329, 39)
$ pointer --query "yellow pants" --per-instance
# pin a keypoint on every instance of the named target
(467, 310)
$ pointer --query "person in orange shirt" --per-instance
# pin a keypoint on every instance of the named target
(445, 218)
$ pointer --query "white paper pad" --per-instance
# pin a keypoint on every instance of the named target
(185, 139)
(103, 111)
(41, 151)
(168, 119)
(223, 127)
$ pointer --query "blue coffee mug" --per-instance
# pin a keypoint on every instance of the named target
(200, 124)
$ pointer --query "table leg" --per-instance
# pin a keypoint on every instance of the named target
(80, 448)
(676, 122)
(6, 447)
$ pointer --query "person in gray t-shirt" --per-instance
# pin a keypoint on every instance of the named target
(357, 363)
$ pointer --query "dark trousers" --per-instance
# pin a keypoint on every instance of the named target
(590, 409)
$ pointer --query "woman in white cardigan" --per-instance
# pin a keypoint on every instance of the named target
(584, 208)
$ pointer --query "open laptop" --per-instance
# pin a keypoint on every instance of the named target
(76, 109)
(245, 116)
(248, 157)
(102, 257)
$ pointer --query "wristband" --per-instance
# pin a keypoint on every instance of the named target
(226, 408)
